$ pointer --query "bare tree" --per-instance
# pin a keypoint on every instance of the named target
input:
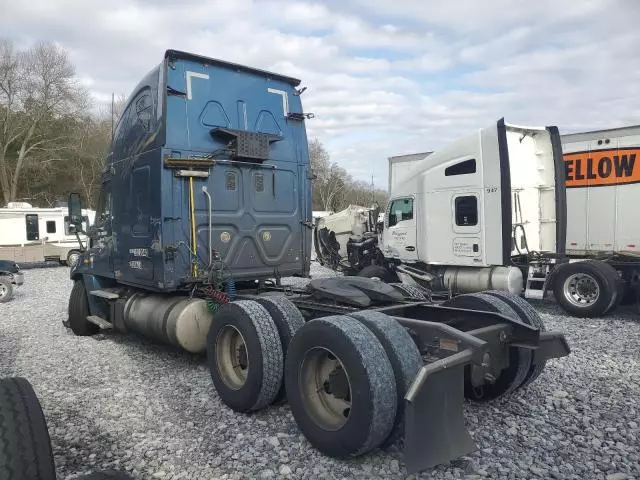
(328, 178)
(36, 86)
(333, 188)
(90, 144)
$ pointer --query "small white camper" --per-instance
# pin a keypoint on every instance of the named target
(29, 234)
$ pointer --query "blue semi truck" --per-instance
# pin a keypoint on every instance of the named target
(205, 206)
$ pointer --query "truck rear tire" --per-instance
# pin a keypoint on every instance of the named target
(79, 311)
(25, 446)
(528, 315)
(519, 358)
(614, 279)
(586, 288)
(6, 290)
(403, 355)
(288, 320)
(340, 386)
(380, 272)
(245, 356)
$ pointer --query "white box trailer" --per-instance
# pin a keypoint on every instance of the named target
(603, 192)
(30, 234)
(602, 169)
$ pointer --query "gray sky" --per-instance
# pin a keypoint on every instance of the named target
(384, 77)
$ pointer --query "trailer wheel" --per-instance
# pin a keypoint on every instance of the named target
(530, 316)
(379, 272)
(585, 289)
(614, 280)
(6, 290)
(106, 475)
(340, 386)
(288, 320)
(245, 356)
(519, 358)
(79, 311)
(410, 291)
(403, 355)
(25, 447)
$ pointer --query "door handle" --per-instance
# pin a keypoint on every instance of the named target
(410, 248)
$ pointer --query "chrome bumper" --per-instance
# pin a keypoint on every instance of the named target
(18, 278)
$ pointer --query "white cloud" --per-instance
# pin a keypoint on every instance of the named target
(384, 77)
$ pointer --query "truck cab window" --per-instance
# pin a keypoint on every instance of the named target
(465, 167)
(466, 211)
(51, 226)
(400, 209)
(144, 110)
(103, 211)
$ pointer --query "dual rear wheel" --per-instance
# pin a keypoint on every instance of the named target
(521, 370)
(344, 377)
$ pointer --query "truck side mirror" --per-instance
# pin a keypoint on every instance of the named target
(75, 210)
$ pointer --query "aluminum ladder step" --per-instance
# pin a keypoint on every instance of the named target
(100, 322)
(109, 295)
(540, 283)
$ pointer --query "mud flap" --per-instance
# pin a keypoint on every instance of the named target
(434, 430)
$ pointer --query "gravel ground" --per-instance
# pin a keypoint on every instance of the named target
(120, 401)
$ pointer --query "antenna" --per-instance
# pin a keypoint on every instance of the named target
(112, 102)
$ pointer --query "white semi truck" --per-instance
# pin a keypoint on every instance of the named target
(470, 217)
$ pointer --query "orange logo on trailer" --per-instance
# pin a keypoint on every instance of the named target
(602, 167)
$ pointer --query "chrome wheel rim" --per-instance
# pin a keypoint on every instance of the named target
(581, 290)
(3, 291)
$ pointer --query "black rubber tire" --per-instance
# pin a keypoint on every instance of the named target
(106, 475)
(25, 446)
(606, 282)
(8, 286)
(378, 271)
(519, 358)
(373, 387)
(410, 291)
(288, 320)
(79, 311)
(614, 279)
(403, 355)
(530, 316)
(264, 352)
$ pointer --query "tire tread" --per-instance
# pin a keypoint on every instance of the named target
(79, 310)
(271, 350)
(25, 446)
(403, 354)
(530, 316)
